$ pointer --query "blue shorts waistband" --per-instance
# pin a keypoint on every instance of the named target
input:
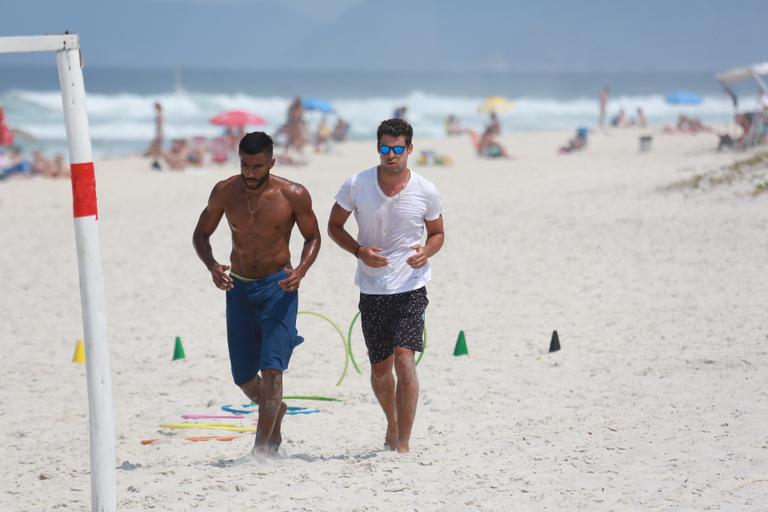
(277, 276)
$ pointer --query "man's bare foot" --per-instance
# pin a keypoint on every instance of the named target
(259, 453)
(402, 447)
(391, 440)
(276, 439)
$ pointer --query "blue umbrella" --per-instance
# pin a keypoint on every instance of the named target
(681, 97)
(318, 104)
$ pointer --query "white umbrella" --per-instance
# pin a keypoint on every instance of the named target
(739, 74)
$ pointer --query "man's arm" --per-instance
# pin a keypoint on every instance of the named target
(306, 221)
(435, 239)
(201, 239)
(343, 239)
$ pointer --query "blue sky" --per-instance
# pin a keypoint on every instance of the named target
(543, 35)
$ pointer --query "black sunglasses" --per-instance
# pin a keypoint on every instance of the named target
(398, 150)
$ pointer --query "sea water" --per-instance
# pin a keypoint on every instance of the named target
(120, 101)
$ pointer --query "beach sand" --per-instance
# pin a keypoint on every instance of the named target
(657, 400)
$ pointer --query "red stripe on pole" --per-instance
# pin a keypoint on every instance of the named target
(84, 190)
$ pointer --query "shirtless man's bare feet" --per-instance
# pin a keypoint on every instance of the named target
(273, 446)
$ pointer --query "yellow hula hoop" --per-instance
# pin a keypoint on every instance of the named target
(343, 341)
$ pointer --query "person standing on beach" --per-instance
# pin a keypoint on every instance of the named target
(156, 148)
(393, 207)
(603, 106)
(262, 288)
(494, 127)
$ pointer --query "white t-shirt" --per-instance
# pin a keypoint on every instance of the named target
(395, 223)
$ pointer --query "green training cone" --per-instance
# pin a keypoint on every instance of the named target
(178, 349)
(461, 345)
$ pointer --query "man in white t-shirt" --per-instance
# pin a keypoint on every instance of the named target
(393, 207)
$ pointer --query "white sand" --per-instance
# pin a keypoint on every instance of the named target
(657, 400)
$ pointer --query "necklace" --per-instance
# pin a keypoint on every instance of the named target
(248, 200)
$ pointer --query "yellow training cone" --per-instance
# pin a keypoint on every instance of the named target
(79, 356)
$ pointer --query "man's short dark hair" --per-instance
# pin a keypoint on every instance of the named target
(395, 128)
(256, 142)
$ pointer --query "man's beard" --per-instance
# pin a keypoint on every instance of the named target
(254, 184)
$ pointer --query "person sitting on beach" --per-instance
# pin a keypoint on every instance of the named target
(197, 150)
(340, 131)
(490, 147)
(686, 124)
(54, 168)
(453, 126)
(16, 165)
(323, 136)
(577, 142)
(746, 121)
(619, 120)
(59, 168)
(178, 157)
(40, 165)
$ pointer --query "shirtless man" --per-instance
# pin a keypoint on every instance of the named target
(262, 297)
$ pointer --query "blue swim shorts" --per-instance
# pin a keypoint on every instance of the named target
(261, 326)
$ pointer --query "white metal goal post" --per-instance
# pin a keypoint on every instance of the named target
(100, 407)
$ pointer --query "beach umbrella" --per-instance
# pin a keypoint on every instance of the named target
(496, 104)
(318, 104)
(237, 119)
(681, 97)
(738, 74)
(6, 135)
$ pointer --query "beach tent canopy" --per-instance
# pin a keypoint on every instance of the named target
(681, 97)
(739, 74)
(318, 104)
(237, 119)
(495, 104)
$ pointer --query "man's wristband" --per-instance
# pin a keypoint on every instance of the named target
(357, 251)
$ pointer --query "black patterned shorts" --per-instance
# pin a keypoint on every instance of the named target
(391, 321)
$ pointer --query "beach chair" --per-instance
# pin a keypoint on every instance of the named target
(475, 138)
(757, 130)
(753, 125)
(219, 150)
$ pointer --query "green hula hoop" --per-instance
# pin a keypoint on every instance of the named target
(349, 342)
(312, 397)
(343, 341)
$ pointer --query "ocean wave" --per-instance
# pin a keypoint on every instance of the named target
(130, 117)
